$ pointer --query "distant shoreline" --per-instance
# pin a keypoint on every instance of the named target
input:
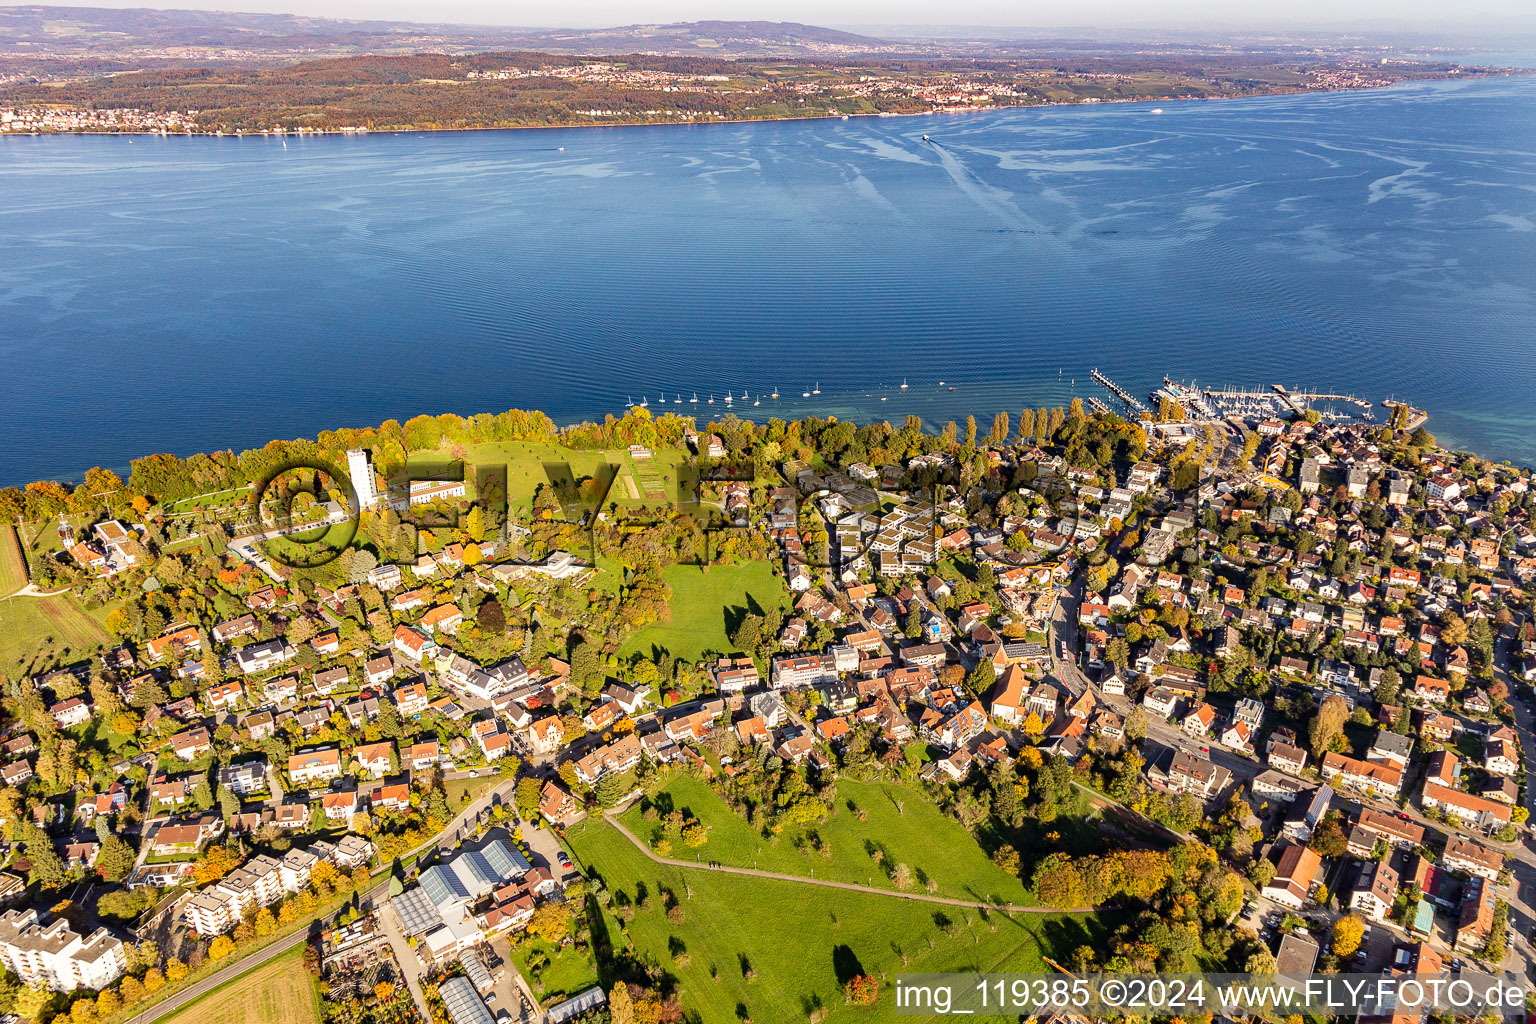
(273, 134)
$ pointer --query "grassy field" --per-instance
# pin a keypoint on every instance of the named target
(13, 564)
(781, 949)
(526, 461)
(901, 823)
(278, 992)
(461, 791)
(704, 604)
(567, 972)
(212, 499)
(312, 545)
(40, 537)
(38, 632)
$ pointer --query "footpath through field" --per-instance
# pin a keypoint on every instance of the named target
(611, 816)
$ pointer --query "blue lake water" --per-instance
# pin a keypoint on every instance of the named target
(186, 294)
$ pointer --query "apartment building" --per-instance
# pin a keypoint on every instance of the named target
(55, 956)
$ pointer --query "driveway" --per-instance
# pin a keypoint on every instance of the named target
(511, 991)
(410, 966)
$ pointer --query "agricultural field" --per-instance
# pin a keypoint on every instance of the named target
(278, 992)
(705, 605)
(37, 633)
(900, 823)
(770, 950)
(13, 564)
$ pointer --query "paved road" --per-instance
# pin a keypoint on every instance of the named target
(1521, 892)
(246, 963)
(1012, 908)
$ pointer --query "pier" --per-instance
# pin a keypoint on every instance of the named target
(1119, 392)
(1300, 400)
(1097, 404)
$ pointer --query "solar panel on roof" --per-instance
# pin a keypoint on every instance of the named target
(442, 885)
(473, 872)
(506, 861)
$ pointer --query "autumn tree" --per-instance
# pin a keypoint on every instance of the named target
(551, 922)
(621, 1008)
(216, 862)
(862, 990)
(1327, 725)
(1026, 425)
(1347, 933)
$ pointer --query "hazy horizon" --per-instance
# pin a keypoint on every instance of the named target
(871, 16)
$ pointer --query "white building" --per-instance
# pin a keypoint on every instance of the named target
(262, 881)
(263, 656)
(360, 467)
(53, 955)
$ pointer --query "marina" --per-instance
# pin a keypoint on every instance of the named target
(1173, 399)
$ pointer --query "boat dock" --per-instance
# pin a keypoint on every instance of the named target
(1119, 392)
(1299, 401)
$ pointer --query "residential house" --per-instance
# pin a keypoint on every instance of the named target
(314, 766)
(1294, 876)
(1376, 891)
(1463, 854)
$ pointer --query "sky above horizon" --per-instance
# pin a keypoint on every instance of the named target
(1101, 15)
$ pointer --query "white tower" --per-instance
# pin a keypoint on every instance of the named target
(360, 465)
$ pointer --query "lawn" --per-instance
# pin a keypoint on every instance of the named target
(280, 991)
(781, 948)
(899, 822)
(13, 564)
(705, 604)
(526, 463)
(39, 632)
(41, 538)
(209, 500)
(461, 791)
(566, 972)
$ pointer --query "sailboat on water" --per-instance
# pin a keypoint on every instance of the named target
(817, 391)
(695, 399)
